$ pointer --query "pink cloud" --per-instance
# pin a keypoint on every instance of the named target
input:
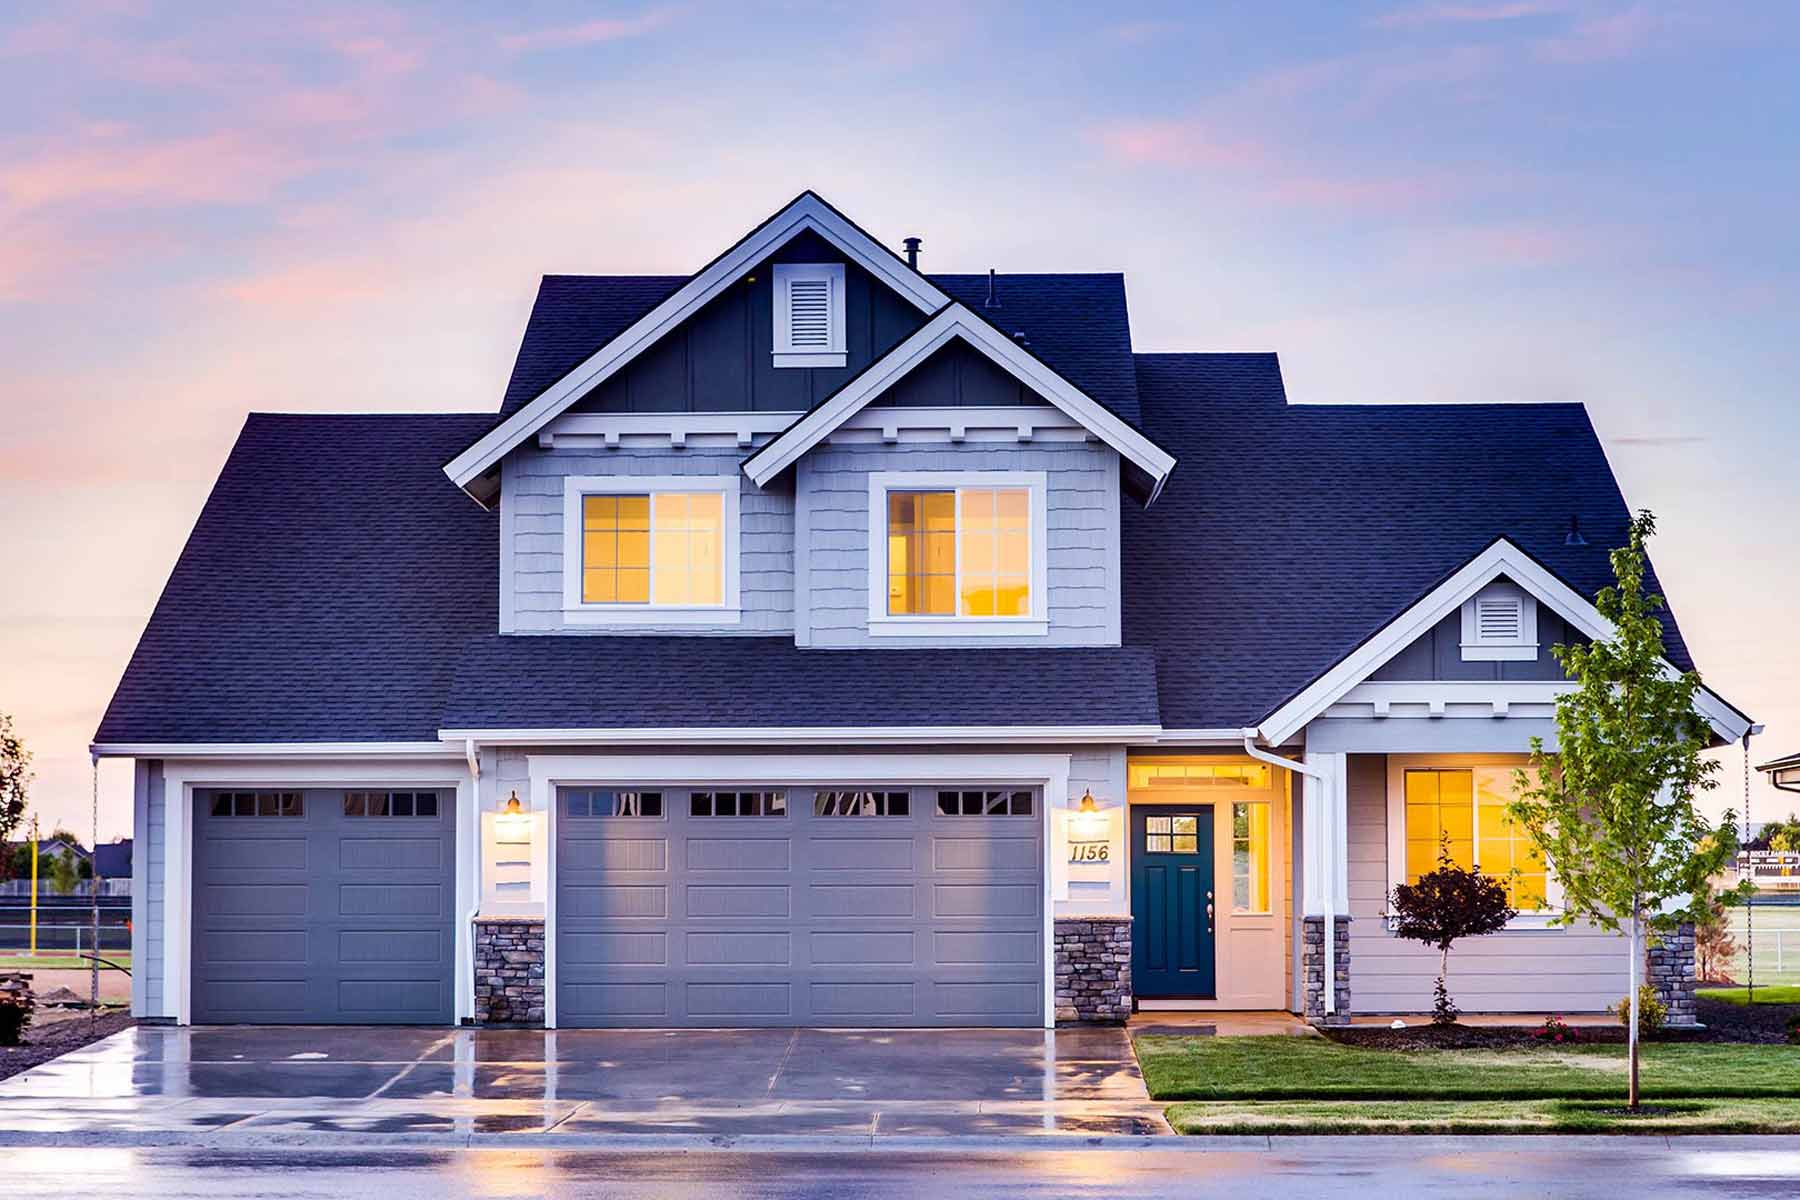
(1602, 39)
(208, 168)
(1493, 247)
(1178, 144)
(1469, 14)
(587, 33)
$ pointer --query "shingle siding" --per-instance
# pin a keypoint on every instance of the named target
(532, 508)
(1082, 503)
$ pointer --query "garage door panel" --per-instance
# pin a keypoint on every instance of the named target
(304, 912)
(825, 911)
(865, 946)
(626, 854)
(732, 1002)
(739, 900)
(739, 854)
(961, 947)
(708, 948)
(985, 899)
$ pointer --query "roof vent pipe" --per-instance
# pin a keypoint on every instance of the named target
(993, 300)
(912, 252)
(1573, 537)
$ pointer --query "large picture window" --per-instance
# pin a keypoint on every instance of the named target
(649, 550)
(960, 552)
(1464, 807)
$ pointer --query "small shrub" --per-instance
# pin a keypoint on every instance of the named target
(1652, 1012)
(1447, 904)
(15, 1015)
(1556, 1030)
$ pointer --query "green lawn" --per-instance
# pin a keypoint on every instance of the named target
(1484, 1116)
(1314, 1069)
(1780, 994)
(56, 960)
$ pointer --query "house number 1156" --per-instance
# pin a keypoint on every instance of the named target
(1090, 851)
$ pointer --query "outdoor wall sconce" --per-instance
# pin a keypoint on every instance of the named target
(512, 823)
(1088, 832)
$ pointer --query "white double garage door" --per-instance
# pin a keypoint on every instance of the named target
(882, 907)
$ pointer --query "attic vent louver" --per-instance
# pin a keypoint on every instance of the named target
(1498, 619)
(1499, 623)
(809, 314)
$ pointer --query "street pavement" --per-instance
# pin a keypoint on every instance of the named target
(1291, 1168)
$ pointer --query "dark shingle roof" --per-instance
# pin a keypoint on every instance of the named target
(337, 587)
(1076, 323)
(324, 594)
(667, 682)
(1290, 533)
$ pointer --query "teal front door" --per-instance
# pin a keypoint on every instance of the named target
(1172, 903)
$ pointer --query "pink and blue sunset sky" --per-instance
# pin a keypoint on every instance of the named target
(207, 210)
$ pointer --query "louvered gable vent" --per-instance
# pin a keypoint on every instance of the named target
(809, 314)
(1499, 623)
(1498, 619)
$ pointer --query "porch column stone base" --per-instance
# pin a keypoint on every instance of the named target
(1312, 964)
(1669, 968)
(509, 971)
(1093, 969)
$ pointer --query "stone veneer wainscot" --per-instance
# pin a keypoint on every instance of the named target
(1670, 970)
(1312, 963)
(509, 971)
(1093, 969)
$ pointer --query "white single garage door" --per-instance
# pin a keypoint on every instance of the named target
(753, 906)
(315, 906)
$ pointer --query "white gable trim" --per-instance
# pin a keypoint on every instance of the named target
(808, 212)
(1501, 558)
(956, 321)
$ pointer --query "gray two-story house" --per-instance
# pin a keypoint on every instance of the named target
(814, 640)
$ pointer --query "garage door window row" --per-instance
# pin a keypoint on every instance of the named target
(738, 804)
(587, 802)
(604, 802)
(257, 804)
(988, 803)
(390, 804)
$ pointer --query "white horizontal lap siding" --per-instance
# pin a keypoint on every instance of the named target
(1578, 969)
(1081, 535)
(533, 509)
(147, 957)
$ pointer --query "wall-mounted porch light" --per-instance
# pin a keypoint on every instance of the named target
(1087, 825)
(512, 823)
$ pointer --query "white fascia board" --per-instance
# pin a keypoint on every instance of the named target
(1501, 558)
(285, 750)
(956, 321)
(808, 212)
(901, 735)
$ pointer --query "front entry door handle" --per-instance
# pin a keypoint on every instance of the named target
(1209, 912)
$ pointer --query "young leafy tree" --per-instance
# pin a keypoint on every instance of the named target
(1613, 809)
(1713, 942)
(15, 778)
(1448, 903)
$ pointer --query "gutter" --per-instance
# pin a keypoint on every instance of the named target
(1328, 892)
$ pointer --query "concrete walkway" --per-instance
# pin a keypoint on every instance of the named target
(318, 1086)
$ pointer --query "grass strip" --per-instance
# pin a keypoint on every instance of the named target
(1484, 1117)
(1253, 1068)
(1779, 994)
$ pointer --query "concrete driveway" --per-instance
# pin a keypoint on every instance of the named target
(319, 1085)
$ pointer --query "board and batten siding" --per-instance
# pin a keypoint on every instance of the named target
(1577, 969)
(532, 561)
(1437, 655)
(1081, 526)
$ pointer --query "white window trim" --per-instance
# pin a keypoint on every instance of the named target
(577, 612)
(785, 354)
(1036, 623)
(1398, 765)
(1522, 649)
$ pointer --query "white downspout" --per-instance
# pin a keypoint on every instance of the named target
(1329, 889)
(477, 851)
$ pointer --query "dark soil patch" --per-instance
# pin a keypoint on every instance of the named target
(54, 1038)
(1764, 1023)
(1463, 1037)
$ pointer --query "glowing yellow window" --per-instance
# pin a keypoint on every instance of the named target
(1250, 856)
(959, 553)
(922, 553)
(1467, 808)
(666, 548)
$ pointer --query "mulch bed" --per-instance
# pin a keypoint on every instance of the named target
(47, 1040)
(1763, 1023)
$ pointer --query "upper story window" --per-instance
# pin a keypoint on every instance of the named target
(957, 553)
(809, 315)
(1499, 623)
(650, 550)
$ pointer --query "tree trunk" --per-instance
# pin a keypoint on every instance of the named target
(1444, 970)
(1631, 1036)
